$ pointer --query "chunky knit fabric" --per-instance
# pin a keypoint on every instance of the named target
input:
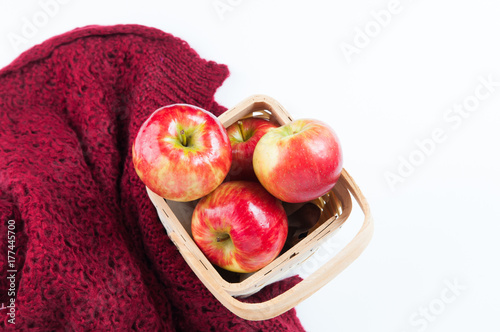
(90, 251)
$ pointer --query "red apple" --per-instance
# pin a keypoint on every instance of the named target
(299, 161)
(182, 152)
(244, 135)
(240, 226)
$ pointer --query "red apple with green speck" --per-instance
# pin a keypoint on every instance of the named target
(244, 135)
(299, 161)
(182, 152)
(240, 226)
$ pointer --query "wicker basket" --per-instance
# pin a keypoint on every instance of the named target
(225, 285)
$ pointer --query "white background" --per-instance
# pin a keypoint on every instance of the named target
(438, 225)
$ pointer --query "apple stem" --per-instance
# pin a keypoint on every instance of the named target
(223, 237)
(240, 126)
(183, 138)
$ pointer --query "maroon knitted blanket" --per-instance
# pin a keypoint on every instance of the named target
(81, 246)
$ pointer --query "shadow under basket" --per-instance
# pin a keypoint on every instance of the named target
(227, 286)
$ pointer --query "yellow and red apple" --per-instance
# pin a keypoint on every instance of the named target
(244, 135)
(240, 226)
(182, 152)
(299, 161)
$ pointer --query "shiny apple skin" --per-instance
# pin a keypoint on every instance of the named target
(299, 161)
(172, 170)
(254, 220)
(243, 141)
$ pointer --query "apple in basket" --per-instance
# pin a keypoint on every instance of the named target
(299, 161)
(244, 135)
(182, 152)
(240, 226)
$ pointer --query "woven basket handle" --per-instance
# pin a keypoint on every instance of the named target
(292, 297)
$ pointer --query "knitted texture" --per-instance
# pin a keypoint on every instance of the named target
(90, 251)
